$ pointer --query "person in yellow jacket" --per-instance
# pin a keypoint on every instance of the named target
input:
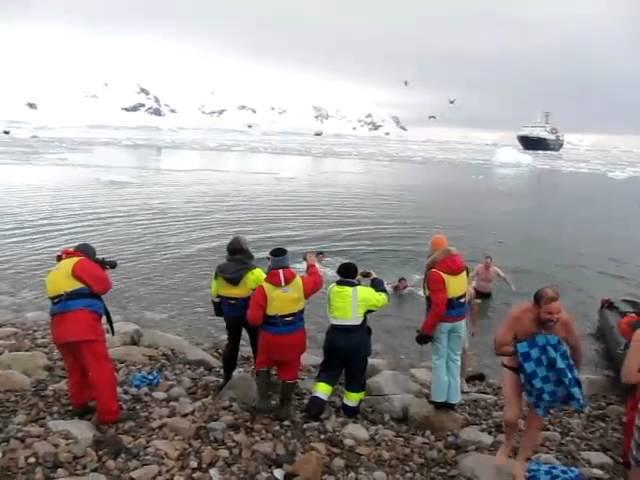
(347, 344)
(233, 283)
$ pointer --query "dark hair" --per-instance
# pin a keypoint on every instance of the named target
(402, 279)
(545, 296)
(488, 257)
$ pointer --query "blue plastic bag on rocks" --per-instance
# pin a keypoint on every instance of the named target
(145, 379)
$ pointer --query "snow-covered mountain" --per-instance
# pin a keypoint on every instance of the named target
(139, 105)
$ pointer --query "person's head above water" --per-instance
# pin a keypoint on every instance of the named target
(347, 271)
(547, 301)
(488, 261)
(438, 242)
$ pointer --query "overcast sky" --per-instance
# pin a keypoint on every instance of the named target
(503, 60)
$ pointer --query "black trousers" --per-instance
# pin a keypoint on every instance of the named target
(235, 326)
(346, 349)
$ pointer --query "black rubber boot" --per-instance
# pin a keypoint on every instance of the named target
(263, 382)
(349, 411)
(315, 408)
(84, 412)
(286, 397)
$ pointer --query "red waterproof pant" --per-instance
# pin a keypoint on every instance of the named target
(630, 422)
(91, 376)
(283, 352)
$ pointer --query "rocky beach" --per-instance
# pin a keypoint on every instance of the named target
(185, 428)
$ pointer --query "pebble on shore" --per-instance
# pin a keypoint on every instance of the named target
(183, 429)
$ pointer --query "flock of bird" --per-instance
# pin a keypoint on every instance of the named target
(452, 101)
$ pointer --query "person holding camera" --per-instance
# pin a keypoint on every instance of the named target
(75, 287)
(233, 283)
(347, 344)
(446, 284)
(277, 307)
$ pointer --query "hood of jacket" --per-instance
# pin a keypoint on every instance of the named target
(281, 277)
(448, 261)
(234, 269)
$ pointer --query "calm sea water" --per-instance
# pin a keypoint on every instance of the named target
(165, 208)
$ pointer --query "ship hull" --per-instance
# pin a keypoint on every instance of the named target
(540, 144)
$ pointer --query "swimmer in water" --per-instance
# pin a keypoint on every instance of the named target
(483, 277)
(400, 286)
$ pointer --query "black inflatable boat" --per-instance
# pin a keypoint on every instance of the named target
(610, 313)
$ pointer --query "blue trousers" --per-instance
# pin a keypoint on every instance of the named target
(446, 358)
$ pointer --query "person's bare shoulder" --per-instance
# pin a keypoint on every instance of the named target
(566, 324)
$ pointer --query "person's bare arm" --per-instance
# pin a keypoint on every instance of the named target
(505, 336)
(630, 372)
(573, 341)
(474, 274)
(506, 279)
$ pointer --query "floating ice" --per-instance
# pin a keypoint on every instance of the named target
(618, 175)
(511, 156)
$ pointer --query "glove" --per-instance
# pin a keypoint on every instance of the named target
(423, 338)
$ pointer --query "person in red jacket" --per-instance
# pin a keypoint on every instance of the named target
(75, 287)
(446, 284)
(627, 327)
(277, 307)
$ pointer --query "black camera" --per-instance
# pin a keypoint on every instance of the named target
(366, 274)
(103, 262)
(106, 264)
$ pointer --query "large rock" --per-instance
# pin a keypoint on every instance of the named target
(148, 472)
(11, 381)
(423, 416)
(7, 332)
(396, 406)
(597, 384)
(356, 432)
(180, 426)
(596, 459)
(32, 364)
(126, 333)
(45, 451)
(471, 436)
(309, 360)
(376, 366)
(241, 388)
(156, 339)
(307, 467)
(133, 354)
(9, 346)
(390, 382)
(81, 430)
(421, 375)
(171, 449)
(476, 466)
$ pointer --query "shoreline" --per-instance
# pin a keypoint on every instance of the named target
(183, 429)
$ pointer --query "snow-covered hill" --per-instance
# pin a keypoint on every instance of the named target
(139, 105)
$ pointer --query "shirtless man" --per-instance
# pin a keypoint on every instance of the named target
(483, 277)
(545, 314)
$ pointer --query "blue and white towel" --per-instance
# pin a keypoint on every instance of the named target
(549, 377)
(543, 471)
